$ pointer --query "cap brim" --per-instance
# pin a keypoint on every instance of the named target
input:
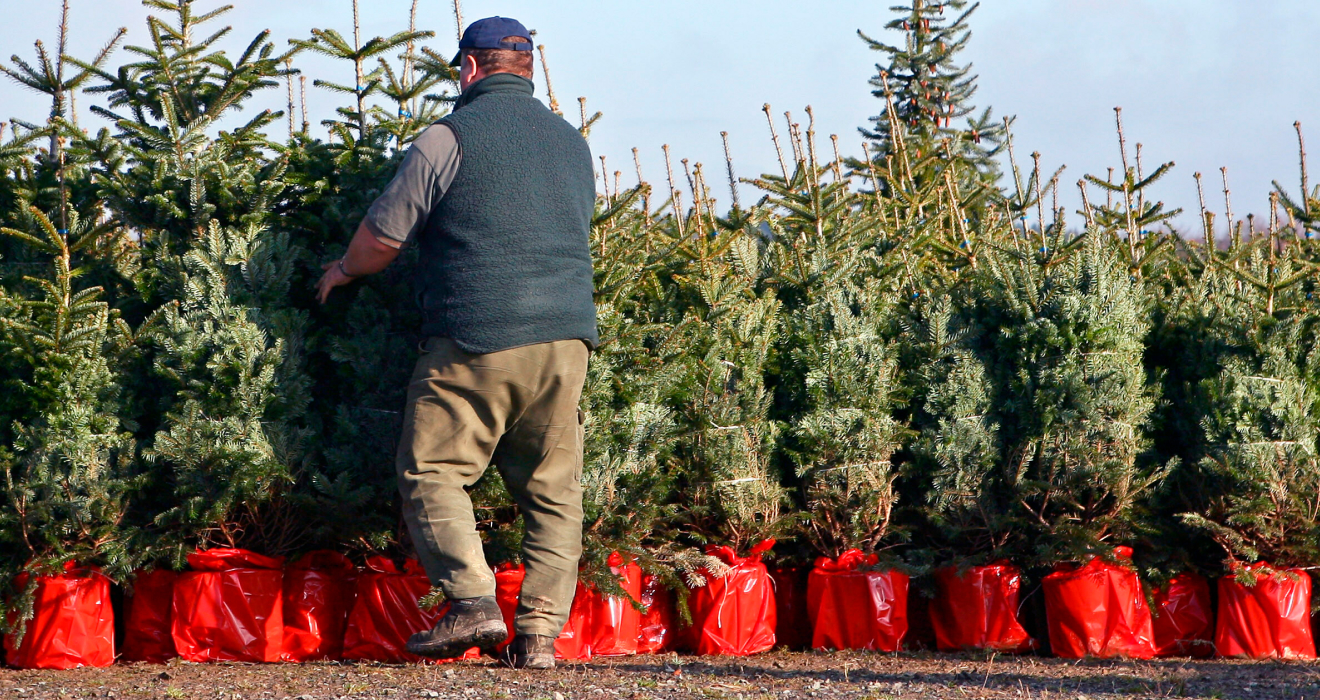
(458, 58)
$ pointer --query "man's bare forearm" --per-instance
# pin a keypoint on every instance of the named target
(368, 254)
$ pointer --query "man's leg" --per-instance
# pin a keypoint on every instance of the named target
(541, 461)
(457, 410)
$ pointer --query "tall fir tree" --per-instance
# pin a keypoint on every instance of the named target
(364, 344)
(224, 433)
(924, 90)
(68, 453)
(232, 440)
(833, 260)
(631, 430)
(736, 496)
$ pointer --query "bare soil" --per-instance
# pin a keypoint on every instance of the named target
(776, 675)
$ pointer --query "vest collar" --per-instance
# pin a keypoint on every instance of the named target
(499, 82)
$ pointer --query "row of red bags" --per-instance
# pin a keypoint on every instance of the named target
(240, 606)
(1097, 609)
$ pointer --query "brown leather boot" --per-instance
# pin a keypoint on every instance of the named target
(530, 651)
(470, 622)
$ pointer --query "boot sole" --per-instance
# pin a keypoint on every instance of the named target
(486, 637)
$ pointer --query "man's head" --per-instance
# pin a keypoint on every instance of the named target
(493, 45)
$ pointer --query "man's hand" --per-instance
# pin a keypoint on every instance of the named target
(333, 277)
(366, 255)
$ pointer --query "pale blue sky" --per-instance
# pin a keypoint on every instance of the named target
(1206, 83)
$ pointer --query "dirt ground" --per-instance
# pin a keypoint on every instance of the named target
(775, 675)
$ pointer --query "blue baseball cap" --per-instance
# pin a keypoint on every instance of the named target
(489, 33)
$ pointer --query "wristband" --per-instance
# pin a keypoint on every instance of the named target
(345, 272)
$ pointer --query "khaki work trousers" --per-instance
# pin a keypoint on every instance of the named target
(517, 408)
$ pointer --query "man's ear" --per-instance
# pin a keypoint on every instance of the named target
(474, 70)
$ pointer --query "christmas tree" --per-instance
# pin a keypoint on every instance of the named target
(925, 90)
(832, 260)
(631, 430)
(732, 486)
(1034, 429)
(225, 431)
(1249, 481)
(849, 435)
(66, 445)
(67, 456)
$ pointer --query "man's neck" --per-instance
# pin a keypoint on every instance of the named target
(495, 82)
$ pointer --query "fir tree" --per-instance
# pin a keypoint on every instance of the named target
(1253, 476)
(1036, 433)
(231, 438)
(68, 458)
(226, 432)
(734, 488)
(630, 431)
(831, 260)
(1263, 460)
(848, 436)
(967, 499)
(1076, 404)
(925, 90)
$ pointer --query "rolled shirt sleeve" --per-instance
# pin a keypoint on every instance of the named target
(425, 174)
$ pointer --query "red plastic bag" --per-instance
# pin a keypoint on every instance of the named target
(602, 625)
(1269, 620)
(853, 609)
(318, 595)
(147, 631)
(1184, 620)
(72, 624)
(734, 615)
(572, 643)
(1098, 610)
(793, 623)
(615, 623)
(386, 613)
(977, 608)
(655, 631)
(229, 607)
(508, 586)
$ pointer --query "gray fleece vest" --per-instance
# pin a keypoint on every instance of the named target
(505, 258)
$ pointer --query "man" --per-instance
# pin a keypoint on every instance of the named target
(499, 197)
